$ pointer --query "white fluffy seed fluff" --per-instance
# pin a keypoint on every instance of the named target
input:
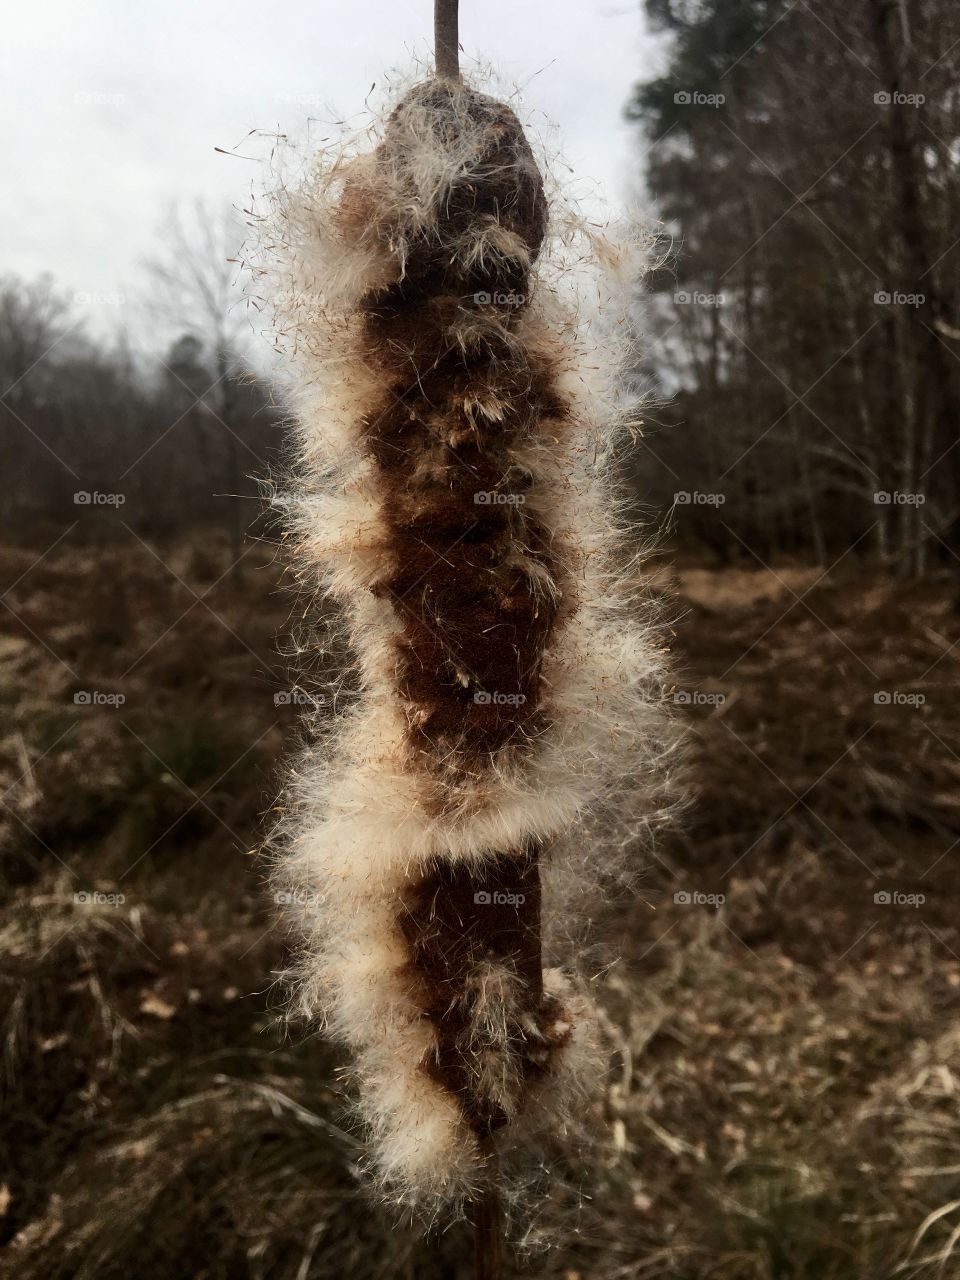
(593, 782)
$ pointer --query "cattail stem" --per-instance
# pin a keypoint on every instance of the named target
(488, 1228)
(446, 39)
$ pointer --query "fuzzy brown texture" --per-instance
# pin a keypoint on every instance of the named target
(467, 569)
(474, 576)
(466, 928)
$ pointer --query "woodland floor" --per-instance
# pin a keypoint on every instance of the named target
(784, 1091)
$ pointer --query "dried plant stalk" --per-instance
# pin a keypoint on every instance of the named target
(453, 496)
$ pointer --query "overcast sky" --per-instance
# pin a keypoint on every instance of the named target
(114, 107)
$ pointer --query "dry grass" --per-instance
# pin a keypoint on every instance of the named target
(783, 1094)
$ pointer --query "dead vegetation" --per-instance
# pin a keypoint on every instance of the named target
(784, 1066)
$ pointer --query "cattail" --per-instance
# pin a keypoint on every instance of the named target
(452, 494)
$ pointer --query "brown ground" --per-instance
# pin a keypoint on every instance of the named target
(785, 1069)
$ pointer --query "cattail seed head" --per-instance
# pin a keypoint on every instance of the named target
(453, 497)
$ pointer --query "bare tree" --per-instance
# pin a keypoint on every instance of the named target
(33, 320)
(812, 186)
(194, 291)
